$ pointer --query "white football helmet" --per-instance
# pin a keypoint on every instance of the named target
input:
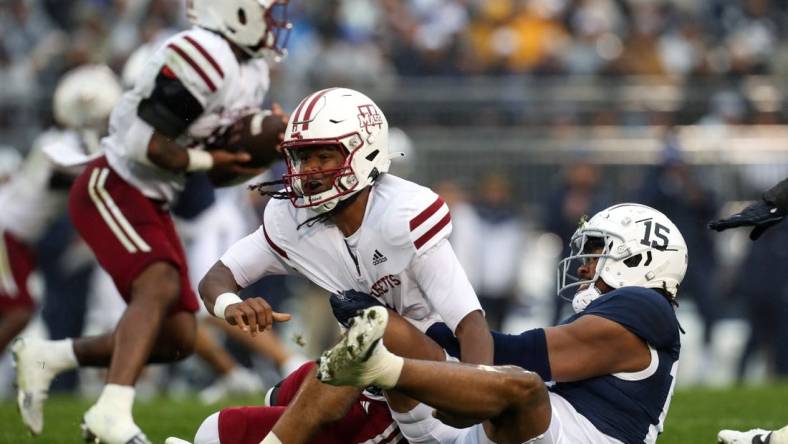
(258, 27)
(345, 118)
(639, 247)
(85, 96)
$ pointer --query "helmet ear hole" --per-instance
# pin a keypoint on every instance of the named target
(242, 16)
(634, 261)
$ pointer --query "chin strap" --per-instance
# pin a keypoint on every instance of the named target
(584, 297)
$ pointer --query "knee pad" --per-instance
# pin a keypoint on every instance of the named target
(208, 433)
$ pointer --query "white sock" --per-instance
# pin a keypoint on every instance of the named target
(62, 355)
(117, 398)
(271, 438)
(384, 367)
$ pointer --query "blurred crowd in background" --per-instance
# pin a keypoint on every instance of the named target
(607, 91)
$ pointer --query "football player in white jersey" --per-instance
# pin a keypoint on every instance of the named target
(37, 193)
(613, 363)
(348, 226)
(198, 81)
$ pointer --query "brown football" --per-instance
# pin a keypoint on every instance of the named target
(257, 134)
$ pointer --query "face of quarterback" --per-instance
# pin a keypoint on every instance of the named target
(321, 164)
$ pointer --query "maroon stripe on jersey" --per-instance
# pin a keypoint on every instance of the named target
(424, 215)
(205, 54)
(194, 65)
(311, 107)
(433, 231)
(275, 247)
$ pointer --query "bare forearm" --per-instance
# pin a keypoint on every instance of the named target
(165, 153)
(476, 344)
(218, 280)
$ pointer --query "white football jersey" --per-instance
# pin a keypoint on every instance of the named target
(205, 64)
(29, 203)
(400, 255)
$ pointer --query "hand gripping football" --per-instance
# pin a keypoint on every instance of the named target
(258, 134)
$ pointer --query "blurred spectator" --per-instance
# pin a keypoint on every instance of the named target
(499, 244)
(763, 288)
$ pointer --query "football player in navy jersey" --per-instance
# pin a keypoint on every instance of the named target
(612, 364)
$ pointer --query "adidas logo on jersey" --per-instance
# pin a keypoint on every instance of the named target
(378, 258)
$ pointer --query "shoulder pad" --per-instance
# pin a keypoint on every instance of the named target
(279, 225)
(201, 60)
(641, 310)
(415, 218)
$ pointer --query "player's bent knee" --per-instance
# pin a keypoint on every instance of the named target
(159, 284)
(208, 432)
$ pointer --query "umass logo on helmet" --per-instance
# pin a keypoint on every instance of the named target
(368, 115)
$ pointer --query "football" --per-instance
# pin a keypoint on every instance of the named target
(258, 134)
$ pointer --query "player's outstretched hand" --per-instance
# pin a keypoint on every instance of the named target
(761, 215)
(768, 211)
(253, 315)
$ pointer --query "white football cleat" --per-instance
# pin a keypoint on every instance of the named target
(240, 381)
(100, 426)
(175, 440)
(352, 361)
(754, 436)
(33, 377)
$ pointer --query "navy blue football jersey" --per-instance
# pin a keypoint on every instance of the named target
(631, 407)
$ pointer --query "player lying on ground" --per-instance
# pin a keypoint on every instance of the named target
(770, 210)
(347, 225)
(614, 362)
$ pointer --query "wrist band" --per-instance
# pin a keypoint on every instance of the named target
(199, 160)
(224, 300)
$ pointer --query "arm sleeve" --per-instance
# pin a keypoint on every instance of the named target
(251, 258)
(441, 277)
(171, 107)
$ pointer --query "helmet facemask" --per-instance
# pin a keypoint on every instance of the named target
(585, 246)
(344, 182)
(277, 33)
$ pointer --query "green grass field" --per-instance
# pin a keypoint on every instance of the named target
(695, 415)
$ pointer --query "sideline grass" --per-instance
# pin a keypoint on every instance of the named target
(695, 415)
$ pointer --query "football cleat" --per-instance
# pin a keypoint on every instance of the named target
(754, 436)
(352, 361)
(105, 427)
(33, 377)
(175, 440)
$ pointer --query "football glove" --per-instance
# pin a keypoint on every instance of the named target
(762, 215)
